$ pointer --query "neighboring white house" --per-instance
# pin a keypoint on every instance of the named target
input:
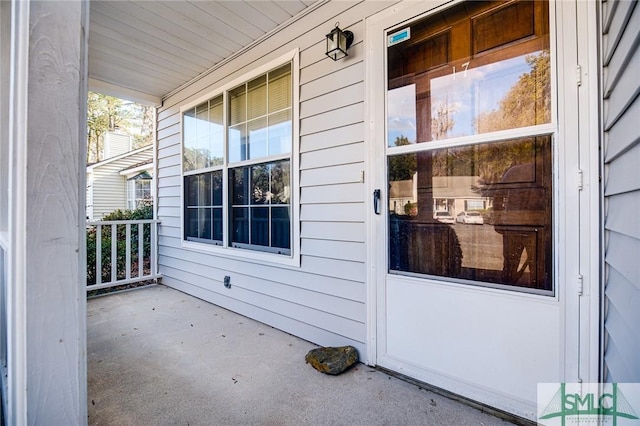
(122, 181)
(453, 194)
(273, 170)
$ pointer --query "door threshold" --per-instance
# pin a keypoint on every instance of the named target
(495, 412)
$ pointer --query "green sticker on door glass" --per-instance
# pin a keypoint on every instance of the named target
(399, 36)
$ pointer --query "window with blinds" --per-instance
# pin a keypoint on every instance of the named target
(237, 167)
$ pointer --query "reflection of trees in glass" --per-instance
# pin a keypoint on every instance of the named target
(280, 187)
(238, 183)
(270, 183)
(442, 120)
(195, 159)
(204, 190)
(527, 103)
(260, 184)
(411, 208)
(489, 161)
(189, 159)
(216, 182)
(495, 159)
(402, 167)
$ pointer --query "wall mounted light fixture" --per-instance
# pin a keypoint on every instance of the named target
(338, 42)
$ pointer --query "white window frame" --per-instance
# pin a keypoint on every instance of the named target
(226, 250)
(132, 192)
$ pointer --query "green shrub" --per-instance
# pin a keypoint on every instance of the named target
(143, 212)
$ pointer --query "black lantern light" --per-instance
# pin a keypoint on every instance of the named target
(338, 42)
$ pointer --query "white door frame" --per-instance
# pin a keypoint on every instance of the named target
(591, 196)
(576, 189)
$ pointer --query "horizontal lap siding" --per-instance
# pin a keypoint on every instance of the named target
(109, 187)
(621, 110)
(324, 299)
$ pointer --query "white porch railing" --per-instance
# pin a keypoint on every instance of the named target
(133, 246)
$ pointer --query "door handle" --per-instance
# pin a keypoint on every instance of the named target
(376, 201)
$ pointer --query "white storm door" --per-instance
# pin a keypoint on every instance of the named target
(467, 156)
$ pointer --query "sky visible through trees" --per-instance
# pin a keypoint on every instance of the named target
(109, 114)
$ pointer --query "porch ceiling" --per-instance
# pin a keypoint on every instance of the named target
(143, 50)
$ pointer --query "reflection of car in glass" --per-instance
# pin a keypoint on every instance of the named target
(470, 217)
(443, 216)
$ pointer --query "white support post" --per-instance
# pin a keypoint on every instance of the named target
(17, 371)
(46, 267)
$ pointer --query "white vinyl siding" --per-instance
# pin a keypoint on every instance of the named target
(116, 144)
(109, 186)
(322, 300)
(621, 109)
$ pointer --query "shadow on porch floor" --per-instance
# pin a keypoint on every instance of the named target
(157, 356)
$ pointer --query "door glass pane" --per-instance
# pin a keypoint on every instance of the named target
(474, 68)
(479, 213)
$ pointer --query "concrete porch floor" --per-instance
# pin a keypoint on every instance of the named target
(157, 356)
